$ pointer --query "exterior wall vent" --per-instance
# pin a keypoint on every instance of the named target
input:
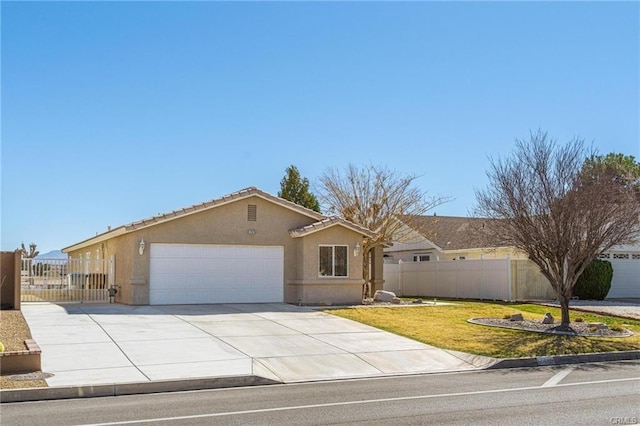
(252, 213)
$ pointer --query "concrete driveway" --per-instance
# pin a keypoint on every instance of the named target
(86, 344)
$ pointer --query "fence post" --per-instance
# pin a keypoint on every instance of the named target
(509, 278)
(481, 275)
(437, 274)
(400, 277)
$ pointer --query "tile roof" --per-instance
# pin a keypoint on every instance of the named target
(455, 233)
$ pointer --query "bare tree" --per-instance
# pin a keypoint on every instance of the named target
(556, 211)
(374, 197)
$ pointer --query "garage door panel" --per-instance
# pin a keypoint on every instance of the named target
(201, 273)
(626, 278)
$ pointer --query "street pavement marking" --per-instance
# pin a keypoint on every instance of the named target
(336, 404)
(557, 378)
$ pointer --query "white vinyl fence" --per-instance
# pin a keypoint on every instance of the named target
(66, 280)
(493, 279)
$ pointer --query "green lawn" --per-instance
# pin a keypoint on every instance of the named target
(446, 327)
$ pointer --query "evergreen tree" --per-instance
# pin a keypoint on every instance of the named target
(295, 188)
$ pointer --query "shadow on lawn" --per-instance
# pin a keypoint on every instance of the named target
(516, 343)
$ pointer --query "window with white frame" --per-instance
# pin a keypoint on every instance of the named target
(333, 261)
(421, 258)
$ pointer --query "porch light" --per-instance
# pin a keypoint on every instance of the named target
(141, 247)
(356, 250)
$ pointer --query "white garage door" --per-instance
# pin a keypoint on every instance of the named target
(200, 273)
(626, 275)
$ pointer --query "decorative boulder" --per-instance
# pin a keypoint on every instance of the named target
(598, 325)
(548, 319)
(383, 296)
(516, 317)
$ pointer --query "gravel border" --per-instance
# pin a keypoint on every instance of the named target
(580, 328)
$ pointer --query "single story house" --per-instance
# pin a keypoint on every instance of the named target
(441, 238)
(429, 238)
(245, 247)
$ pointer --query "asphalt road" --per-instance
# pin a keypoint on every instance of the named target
(594, 394)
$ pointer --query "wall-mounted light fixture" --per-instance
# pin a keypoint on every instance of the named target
(141, 247)
(356, 250)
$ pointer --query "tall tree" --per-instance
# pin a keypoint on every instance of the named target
(620, 168)
(556, 208)
(295, 188)
(375, 197)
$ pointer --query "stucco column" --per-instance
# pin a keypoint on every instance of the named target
(139, 281)
(377, 281)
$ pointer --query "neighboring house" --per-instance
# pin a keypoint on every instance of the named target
(245, 247)
(433, 238)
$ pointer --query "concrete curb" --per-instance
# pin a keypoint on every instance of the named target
(565, 359)
(118, 389)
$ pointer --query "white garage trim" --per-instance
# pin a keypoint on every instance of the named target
(207, 273)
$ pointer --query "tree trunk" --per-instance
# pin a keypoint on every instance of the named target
(564, 308)
(366, 289)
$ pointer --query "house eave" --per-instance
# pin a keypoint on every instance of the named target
(95, 240)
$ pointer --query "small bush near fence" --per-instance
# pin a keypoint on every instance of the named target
(595, 281)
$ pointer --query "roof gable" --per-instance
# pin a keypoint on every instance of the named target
(328, 223)
(226, 199)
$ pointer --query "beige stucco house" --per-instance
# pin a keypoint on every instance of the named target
(430, 238)
(245, 247)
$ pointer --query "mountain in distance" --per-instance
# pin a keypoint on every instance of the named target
(53, 254)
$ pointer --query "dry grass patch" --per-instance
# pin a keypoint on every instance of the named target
(446, 327)
(13, 332)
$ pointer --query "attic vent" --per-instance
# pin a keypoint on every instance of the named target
(252, 213)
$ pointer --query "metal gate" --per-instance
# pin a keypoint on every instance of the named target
(66, 280)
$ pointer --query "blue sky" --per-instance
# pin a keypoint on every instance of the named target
(116, 111)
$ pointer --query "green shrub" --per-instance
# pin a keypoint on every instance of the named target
(595, 281)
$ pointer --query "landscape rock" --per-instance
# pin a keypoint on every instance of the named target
(548, 319)
(383, 296)
(516, 317)
(417, 301)
(598, 325)
(396, 301)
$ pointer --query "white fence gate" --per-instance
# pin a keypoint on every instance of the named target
(491, 279)
(66, 280)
